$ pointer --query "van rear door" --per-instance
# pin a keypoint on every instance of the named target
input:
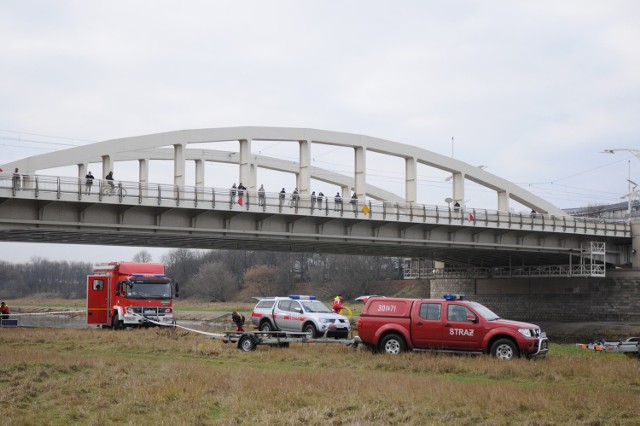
(98, 299)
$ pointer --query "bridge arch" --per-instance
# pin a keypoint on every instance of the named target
(153, 147)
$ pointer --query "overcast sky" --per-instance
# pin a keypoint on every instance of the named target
(532, 90)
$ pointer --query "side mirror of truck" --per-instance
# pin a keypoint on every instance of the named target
(177, 290)
(472, 318)
(118, 288)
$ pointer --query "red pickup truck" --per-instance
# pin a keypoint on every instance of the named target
(451, 324)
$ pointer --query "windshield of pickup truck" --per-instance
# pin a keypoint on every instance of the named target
(315, 306)
(484, 312)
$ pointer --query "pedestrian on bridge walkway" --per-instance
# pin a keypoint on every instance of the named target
(337, 202)
(88, 183)
(261, 196)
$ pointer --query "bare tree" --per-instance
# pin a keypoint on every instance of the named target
(142, 256)
(214, 282)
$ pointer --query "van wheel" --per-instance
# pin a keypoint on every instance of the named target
(266, 326)
(310, 329)
(392, 344)
(504, 349)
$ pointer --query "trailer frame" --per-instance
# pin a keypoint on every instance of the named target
(248, 341)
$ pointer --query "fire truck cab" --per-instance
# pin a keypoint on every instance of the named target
(124, 294)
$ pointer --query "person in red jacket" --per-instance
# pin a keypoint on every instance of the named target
(4, 309)
(337, 304)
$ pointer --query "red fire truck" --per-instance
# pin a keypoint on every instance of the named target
(124, 294)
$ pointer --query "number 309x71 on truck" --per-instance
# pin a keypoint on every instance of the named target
(451, 324)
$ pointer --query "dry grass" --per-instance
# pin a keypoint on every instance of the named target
(160, 376)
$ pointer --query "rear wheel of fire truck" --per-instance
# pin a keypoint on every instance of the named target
(310, 329)
(504, 349)
(392, 344)
(247, 343)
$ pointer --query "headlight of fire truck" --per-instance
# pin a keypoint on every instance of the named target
(526, 332)
(326, 320)
(167, 310)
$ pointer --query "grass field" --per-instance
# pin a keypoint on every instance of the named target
(162, 376)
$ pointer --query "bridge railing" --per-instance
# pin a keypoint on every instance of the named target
(218, 198)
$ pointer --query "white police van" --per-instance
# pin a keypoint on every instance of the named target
(296, 313)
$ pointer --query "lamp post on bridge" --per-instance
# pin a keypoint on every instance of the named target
(632, 192)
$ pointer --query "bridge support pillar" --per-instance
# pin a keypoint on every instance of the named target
(247, 177)
(199, 174)
(503, 201)
(143, 175)
(634, 256)
(410, 172)
(458, 187)
(107, 165)
(82, 171)
(178, 164)
(304, 176)
(360, 173)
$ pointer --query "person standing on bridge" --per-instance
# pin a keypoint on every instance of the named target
(16, 180)
(233, 192)
(313, 199)
(320, 198)
(337, 202)
(109, 179)
(282, 196)
(354, 201)
(88, 183)
(295, 196)
(261, 196)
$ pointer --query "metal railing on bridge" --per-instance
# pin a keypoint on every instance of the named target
(105, 191)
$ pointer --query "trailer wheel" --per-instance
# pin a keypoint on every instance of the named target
(310, 329)
(247, 343)
(504, 349)
(392, 344)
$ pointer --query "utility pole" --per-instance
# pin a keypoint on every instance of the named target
(631, 194)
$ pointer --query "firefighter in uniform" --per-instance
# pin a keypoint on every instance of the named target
(238, 319)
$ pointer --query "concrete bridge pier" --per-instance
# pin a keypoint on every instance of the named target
(614, 298)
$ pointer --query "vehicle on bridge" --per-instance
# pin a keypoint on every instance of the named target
(451, 324)
(299, 314)
(125, 294)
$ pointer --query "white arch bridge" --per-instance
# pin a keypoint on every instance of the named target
(42, 208)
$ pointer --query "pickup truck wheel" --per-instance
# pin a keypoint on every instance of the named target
(392, 344)
(310, 329)
(504, 349)
(247, 343)
(266, 326)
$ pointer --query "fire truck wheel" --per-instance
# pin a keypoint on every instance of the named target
(504, 349)
(392, 344)
(266, 326)
(116, 324)
(310, 329)
(247, 343)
